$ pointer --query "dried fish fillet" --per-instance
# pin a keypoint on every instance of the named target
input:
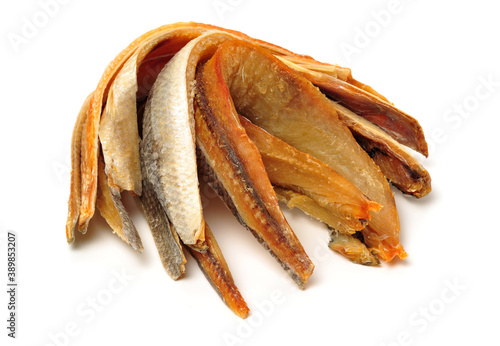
(342, 237)
(217, 272)
(118, 132)
(166, 239)
(75, 187)
(352, 248)
(111, 208)
(398, 166)
(169, 150)
(292, 169)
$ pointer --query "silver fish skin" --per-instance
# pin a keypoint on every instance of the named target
(169, 152)
(166, 239)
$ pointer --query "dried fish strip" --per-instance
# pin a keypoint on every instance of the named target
(166, 239)
(169, 151)
(400, 167)
(75, 186)
(292, 169)
(342, 237)
(217, 272)
(111, 208)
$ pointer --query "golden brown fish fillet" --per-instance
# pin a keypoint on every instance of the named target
(364, 101)
(398, 166)
(352, 248)
(292, 169)
(74, 201)
(340, 238)
(118, 132)
(217, 272)
(288, 106)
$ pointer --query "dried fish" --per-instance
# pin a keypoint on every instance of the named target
(342, 238)
(399, 167)
(169, 150)
(166, 239)
(168, 107)
(111, 208)
(292, 169)
(217, 272)
(75, 188)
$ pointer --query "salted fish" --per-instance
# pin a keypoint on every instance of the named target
(74, 201)
(400, 167)
(165, 237)
(292, 169)
(214, 267)
(111, 208)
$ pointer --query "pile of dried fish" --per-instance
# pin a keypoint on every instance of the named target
(261, 124)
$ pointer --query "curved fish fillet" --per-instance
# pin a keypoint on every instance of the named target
(292, 169)
(118, 132)
(215, 268)
(398, 166)
(169, 148)
(74, 201)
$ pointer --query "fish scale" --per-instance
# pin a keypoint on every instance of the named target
(169, 151)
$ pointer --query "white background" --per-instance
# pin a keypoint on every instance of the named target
(430, 58)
